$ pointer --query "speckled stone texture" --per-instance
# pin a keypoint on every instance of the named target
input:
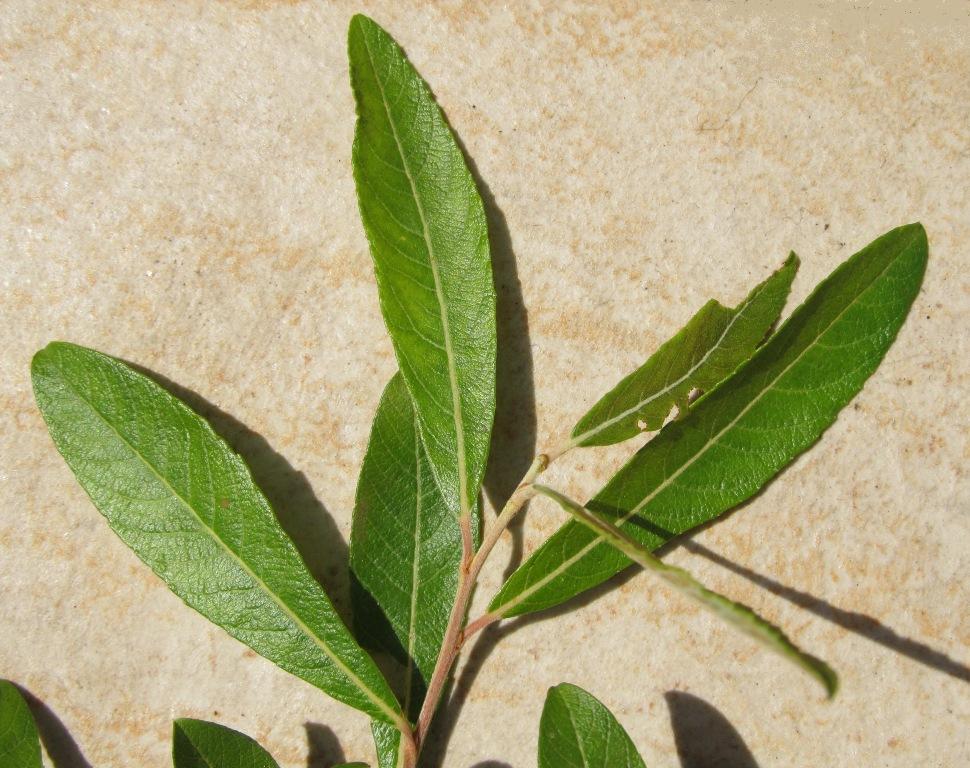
(175, 189)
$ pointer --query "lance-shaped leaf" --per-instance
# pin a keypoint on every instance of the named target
(405, 554)
(19, 742)
(738, 616)
(188, 507)
(428, 235)
(714, 342)
(578, 731)
(201, 744)
(738, 436)
(405, 546)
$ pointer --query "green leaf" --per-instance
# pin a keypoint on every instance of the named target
(186, 504)
(737, 615)
(577, 731)
(387, 741)
(742, 433)
(405, 553)
(201, 744)
(19, 742)
(405, 546)
(428, 235)
(714, 342)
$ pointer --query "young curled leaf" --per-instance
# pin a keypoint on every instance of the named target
(743, 432)
(714, 342)
(737, 615)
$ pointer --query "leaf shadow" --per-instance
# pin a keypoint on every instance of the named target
(323, 747)
(60, 746)
(858, 623)
(492, 764)
(304, 518)
(514, 431)
(373, 631)
(704, 737)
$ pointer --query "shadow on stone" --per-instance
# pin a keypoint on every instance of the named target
(513, 442)
(491, 764)
(323, 748)
(853, 621)
(704, 737)
(58, 742)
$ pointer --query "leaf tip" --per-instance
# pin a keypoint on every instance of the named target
(182, 725)
(829, 678)
(359, 21)
(919, 232)
(44, 359)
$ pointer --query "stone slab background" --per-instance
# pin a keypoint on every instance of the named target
(175, 189)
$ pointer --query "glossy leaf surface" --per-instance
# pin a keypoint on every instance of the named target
(738, 436)
(387, 742)
(187, 505)
(715, 341)
(577, 731)
(737, 615)
(428, 236)
(201, 744)
(19, 742)
(405, 546)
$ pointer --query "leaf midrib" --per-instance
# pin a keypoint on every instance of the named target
(502, 610)
(198, 752)
(439, 293)
(348, 673)
(667, 388)
(415, 571)
(578, 734)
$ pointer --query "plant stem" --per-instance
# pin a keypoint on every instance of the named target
(409, 751)
(456, 632)
(485, 620)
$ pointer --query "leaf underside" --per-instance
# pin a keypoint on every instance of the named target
(738, 436)
(714, 342)
(19, 742)
(201, 744)
(405, 554)
(428, 236)
(186, 504)
(387, 742)
(737, 615)
(577, 731)
(405, 546)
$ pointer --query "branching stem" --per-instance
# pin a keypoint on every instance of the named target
(457, 631)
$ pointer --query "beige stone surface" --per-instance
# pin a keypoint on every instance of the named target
(175, 189)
